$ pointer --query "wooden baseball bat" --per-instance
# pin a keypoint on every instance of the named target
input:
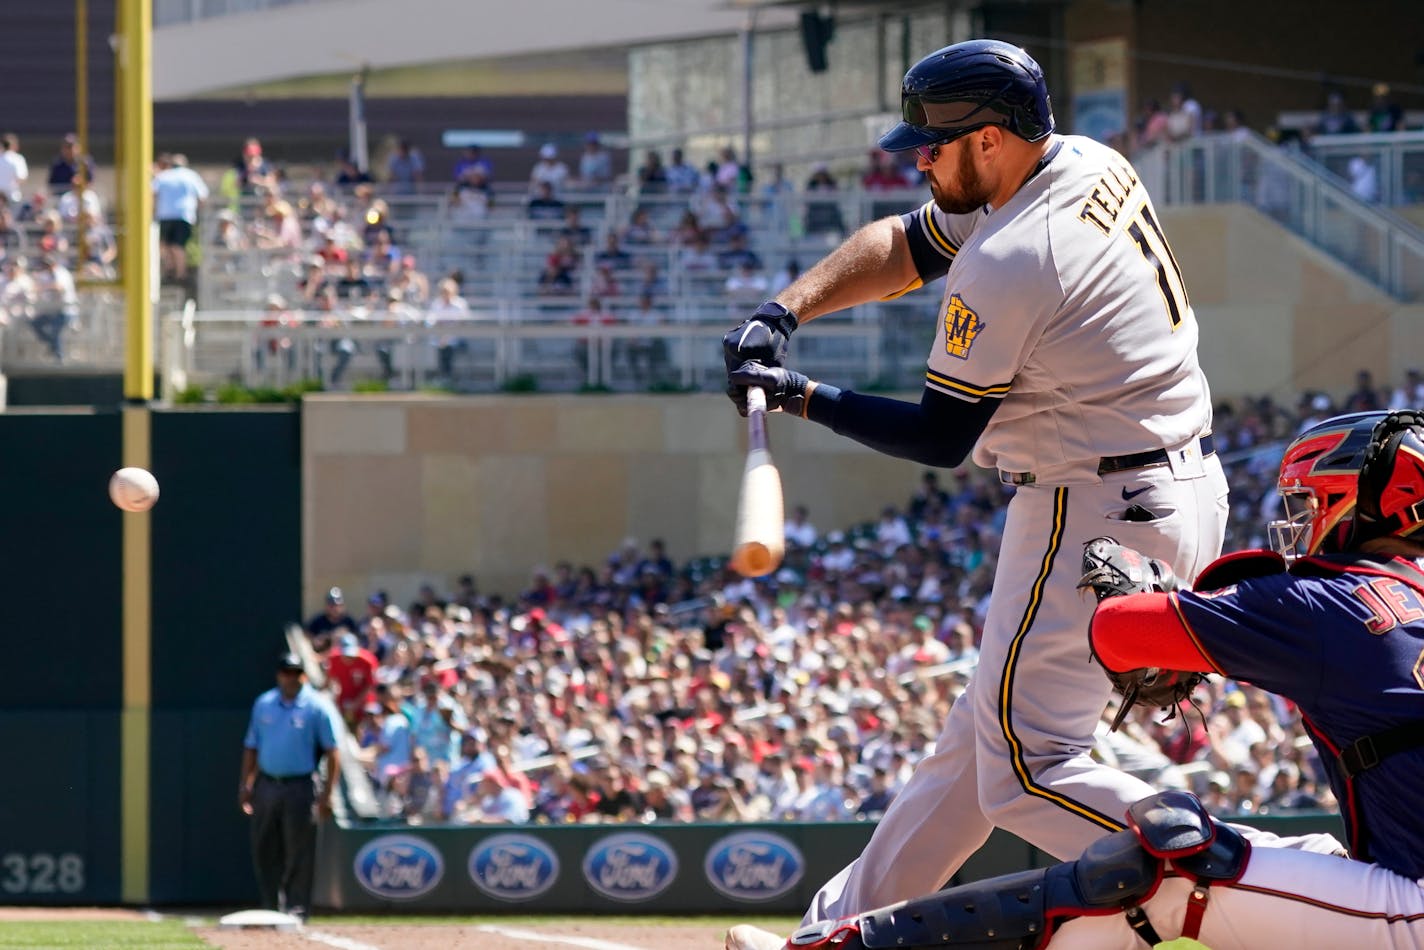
(760, 540)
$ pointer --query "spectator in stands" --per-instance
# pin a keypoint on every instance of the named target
(1151, 126)
(405, 168)
(746, 284)
(79, 198)
(823, 213)
(548, 170)
(52, 239)
(650, 281)
(737, 253)
(560, 267)
(604, 282)
(595, 169)
(640, 231)
(178, 194)
(799, 530)
(352, 672)
(17, 292)
(1385, 114)
(352, 287)
(543, 204)
(333, 621)
(882, 174)
(1365, 397)
(1364, 180)
(395, 742)
(698, 257)
(783, 277)
(68, 164)
(256, 175)
(99, 249)
(574, 229)
(382, 257)
(493, 802)
(688, 230)
(12, 238)
(14, 170)
(718, 215)
(472, 159)
(448, 305)
(56, 304)
(409, 282)
(1336, 119)
(1410, 393)
(1184, 114)
(652, 176)
(731, 173)
(438, 719)
(472, 197)
(612, 253)
(348, 173)
(682, 178)
(375, 217)
(278, 229)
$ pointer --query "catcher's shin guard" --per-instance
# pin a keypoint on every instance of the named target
(1013, 912)
(1115, 875)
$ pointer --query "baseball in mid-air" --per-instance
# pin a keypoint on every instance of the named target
(133, 489)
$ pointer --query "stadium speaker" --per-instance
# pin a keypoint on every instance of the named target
(816, 32)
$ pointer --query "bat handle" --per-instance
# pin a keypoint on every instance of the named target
(756, 417)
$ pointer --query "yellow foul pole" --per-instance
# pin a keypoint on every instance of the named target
(135, 135)
(136, 98)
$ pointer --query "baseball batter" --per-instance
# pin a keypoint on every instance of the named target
(1065, 357)
(1340, 631)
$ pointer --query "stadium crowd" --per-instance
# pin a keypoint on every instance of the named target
(641, 690)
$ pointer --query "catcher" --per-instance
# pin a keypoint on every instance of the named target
(1332, 619)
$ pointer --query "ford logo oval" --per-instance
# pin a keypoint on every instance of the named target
(513, 867)
(630, 867)
(754, 865)
(398, 867)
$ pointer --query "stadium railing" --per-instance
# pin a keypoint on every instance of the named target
(1299, 194)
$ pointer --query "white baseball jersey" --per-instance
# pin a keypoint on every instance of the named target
(1067, 304)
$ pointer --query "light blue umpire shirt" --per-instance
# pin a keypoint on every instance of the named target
(290, 737)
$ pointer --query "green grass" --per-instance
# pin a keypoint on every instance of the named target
(161, 935)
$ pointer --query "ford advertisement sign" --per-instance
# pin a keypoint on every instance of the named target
(513, 867)
(754, 865)
(398, 867)
(630, 867)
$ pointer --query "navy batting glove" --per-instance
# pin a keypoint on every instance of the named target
(762, 338)
(785, 388)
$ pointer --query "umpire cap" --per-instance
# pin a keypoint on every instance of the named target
(969, 85)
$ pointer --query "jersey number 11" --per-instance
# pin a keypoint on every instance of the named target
(1144, 230)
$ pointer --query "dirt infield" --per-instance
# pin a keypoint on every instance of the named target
(584, 934)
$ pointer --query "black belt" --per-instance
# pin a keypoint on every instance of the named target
(285, 779)
(1116, 463)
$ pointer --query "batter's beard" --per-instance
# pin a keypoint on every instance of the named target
(972, 193)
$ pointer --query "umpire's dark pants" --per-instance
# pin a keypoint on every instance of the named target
(284, 841)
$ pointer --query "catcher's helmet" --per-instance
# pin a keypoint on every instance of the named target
(1319, 483)
(967, 86)
(1391, 494)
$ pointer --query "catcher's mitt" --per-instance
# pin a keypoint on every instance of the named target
(1112, 570)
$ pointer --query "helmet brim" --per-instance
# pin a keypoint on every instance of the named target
(905, 136)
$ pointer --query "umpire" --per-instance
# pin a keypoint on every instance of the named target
(290, 730)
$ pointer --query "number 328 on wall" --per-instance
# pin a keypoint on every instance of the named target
(41, 873)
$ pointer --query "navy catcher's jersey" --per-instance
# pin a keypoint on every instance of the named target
(1342, 636)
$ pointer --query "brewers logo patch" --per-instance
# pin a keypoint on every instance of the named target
(961, 326)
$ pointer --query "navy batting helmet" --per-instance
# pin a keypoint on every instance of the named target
(969, 85)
